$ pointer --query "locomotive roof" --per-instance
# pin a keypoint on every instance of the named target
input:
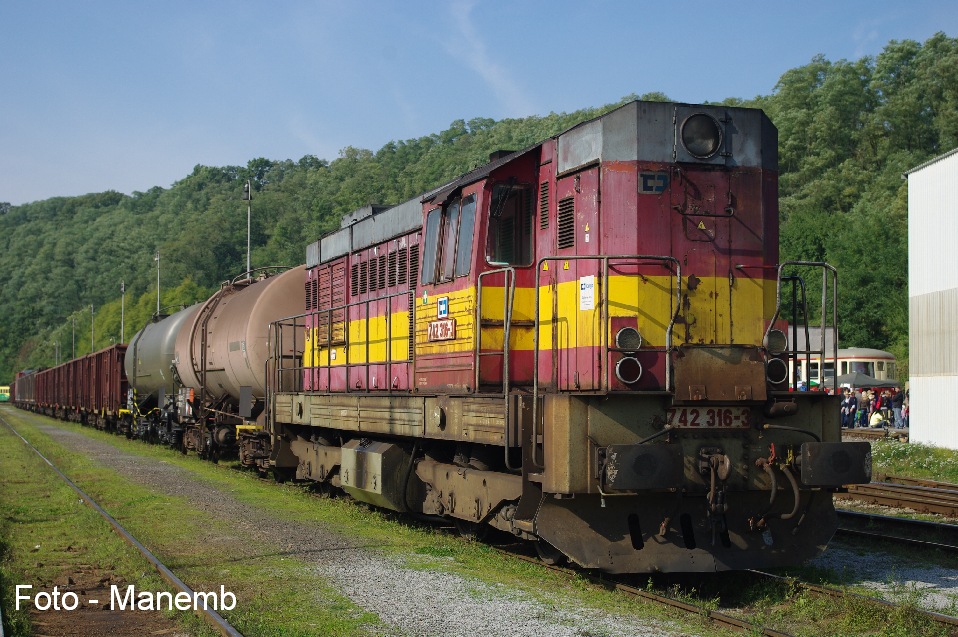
(623, 134)
(372, 225)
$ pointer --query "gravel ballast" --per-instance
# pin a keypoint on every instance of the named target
(408, 601)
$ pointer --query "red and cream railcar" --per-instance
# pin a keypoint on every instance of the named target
(573, 343)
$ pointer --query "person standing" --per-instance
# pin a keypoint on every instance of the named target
(897, 401)
(849, 410)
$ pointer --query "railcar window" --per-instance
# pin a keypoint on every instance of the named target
(431, 246)
(510, 227)
(450, 231)
(467, 224)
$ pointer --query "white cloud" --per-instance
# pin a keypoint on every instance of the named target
(470, 48)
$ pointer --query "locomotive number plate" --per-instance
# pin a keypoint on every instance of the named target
(444, 330)
(708, 417)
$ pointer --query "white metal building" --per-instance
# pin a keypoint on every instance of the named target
(933, 300)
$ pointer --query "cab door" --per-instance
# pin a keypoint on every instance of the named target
(578, 338)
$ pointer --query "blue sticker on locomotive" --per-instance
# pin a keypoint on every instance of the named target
(653, 183)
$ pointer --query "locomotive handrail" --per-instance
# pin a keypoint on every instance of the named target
(826, 269)
(604, 313)
(243, 276)
(508, 300)
(328, 312)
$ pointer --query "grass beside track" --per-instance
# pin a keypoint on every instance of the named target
(47, 533)
(281, 595)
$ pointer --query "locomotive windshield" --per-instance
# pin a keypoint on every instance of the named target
(448, 240)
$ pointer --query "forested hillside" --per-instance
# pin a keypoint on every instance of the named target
(847, 131)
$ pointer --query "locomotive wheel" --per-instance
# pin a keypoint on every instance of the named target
(549, 554)
(282, 475)
(473, 531)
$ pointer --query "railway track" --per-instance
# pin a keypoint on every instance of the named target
(876, 434)
(945, 621)
(728, 621)
(924, 496)
(717, 618)
(915, 533)
(213, 618)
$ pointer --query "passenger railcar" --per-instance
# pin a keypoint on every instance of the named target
(580, 343)
(4, 393)
(876, 363)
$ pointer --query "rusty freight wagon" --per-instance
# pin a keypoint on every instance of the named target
(91, 389)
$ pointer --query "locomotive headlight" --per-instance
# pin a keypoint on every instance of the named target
(701, 135)
(776, 342)
(628, 370)
(776, 371)
(628, 340)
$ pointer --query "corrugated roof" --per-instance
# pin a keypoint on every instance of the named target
(935, 160)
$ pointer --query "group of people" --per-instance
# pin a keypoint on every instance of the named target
(875, 408)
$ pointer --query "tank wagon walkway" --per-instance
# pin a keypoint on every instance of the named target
(434, 603)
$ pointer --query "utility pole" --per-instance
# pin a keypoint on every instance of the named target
(92, 340)
(248, 197)
(157, 259)
(122, 312)
(73, 319)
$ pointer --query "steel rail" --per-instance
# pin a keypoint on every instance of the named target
(210, 615)
(945, 620)
(918, 533)
(918, 498)
(726, 621)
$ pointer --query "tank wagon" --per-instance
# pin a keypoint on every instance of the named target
(197, 375)
(581, 343)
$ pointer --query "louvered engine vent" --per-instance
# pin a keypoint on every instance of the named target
(566, 230)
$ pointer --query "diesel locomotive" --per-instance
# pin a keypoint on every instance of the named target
(583, 343)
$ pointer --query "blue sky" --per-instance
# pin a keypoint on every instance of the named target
(127, 95)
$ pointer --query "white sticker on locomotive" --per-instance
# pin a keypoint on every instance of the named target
(444, 330)
(708, 417)
(442, 305)
(587, 293)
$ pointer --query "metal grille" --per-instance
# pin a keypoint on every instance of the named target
(382, 272)
(544, 205)
(393, 272)
(412, 321)
(566, 222)
(413, 265)
(364, 277)
(354, 280)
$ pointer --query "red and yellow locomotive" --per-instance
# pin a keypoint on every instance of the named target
(579, 343)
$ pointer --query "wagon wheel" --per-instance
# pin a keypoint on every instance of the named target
(473, 531)
(548, 553)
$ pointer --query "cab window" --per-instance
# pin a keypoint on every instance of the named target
(448, 241)
(510, 225)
